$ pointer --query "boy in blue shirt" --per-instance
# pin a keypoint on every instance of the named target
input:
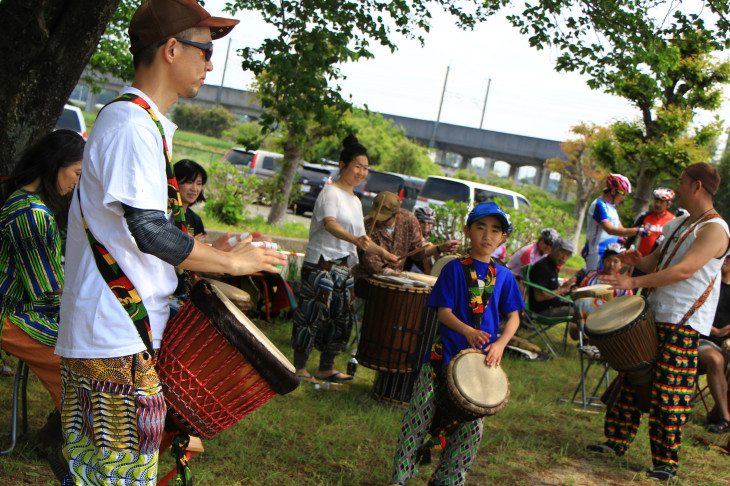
(470, 295)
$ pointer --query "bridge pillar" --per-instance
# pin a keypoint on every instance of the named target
(513, 168)
(537, 180)
(91, 98)
(465, 163)
(545, 179)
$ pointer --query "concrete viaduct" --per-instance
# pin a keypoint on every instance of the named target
(516, 150)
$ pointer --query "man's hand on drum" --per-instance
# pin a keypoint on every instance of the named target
(619, 281)
(449, 246)
(251, 259)
(477, 338)
(494, 353)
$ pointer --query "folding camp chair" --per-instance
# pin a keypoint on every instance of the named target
(589, 356)
(20, 394)
(538, 323)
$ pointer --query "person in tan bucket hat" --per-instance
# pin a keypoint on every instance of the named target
(113, 406)
(397, 230)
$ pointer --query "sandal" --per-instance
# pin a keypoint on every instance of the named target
(604, 448)
(308, 378)
(660, 473)
(720, 427)
(335, 377)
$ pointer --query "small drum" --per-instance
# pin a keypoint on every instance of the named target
(215, 366)
(473, 389)
(441, 263)
(623, 330)
(397, 388)
(240, 298)
(391, 327)
(601, 291)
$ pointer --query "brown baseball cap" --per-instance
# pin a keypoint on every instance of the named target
(385, 205)
(157, 20)
(705, 173)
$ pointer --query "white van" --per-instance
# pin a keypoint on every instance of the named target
(437, 190)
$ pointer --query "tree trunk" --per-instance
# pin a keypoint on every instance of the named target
(579, 212)
(644, 189)
(293, 155)
(46, 45)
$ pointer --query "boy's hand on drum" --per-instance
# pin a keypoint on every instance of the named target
(477, 338)
(618, 281)
(494, 353)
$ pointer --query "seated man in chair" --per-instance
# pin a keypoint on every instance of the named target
(713, 361)
(545, 274)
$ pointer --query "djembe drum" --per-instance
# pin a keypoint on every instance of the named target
(391, 334)
(397, 388)
(216, 366)
(473, 389)
(623, 330)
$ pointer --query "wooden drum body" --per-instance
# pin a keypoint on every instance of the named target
(472, 389)
(397, 388)
(391, 338)
(624, 330)
(215, 366)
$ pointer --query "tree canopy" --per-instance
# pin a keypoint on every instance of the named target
(655, 55)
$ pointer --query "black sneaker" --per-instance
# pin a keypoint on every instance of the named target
(605, 448)
(660, 473)
(720, 427)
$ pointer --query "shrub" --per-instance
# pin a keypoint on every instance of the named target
(228, 191)
(212, 122)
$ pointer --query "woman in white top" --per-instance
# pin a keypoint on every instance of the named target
(324, 317)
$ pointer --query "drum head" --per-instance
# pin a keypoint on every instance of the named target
(243, 322)
(440, 263)
(482, 385)
(591, 290)
(420, 277)
(233, 293)
(615, 314)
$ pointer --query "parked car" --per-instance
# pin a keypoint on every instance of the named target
(260, 163)
(406, 187)
(312, 179)
(73, 119)
(436, 190)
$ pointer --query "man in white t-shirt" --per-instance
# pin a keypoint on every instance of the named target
(685, 292)
(123, 198)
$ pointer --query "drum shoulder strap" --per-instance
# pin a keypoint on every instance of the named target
(478, 300)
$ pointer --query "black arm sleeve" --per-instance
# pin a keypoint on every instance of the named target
(155, 235)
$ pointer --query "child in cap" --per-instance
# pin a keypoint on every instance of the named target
(468, 318)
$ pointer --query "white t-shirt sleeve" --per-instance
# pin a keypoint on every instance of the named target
(130, 178)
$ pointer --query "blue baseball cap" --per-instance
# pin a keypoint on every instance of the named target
(489, 209)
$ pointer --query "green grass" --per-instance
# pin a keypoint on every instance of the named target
(347, 438)
(187, 145)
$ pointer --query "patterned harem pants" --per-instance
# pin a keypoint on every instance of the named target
(461, 445)
(323, 318)
(674, 383)
(113, 418)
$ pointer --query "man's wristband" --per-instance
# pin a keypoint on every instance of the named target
(438, 249)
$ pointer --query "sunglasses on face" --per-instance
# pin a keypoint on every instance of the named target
(207, 48)
(621, 192)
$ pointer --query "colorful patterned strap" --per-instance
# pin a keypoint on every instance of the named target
(478, 300)
(111, 272)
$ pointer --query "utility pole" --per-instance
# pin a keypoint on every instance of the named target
(432, 143)
(223, 77)
(484, 106)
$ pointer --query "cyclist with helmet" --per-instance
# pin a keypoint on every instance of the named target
(426, 218)
(653, 221)
(604, 225)
(533, 252)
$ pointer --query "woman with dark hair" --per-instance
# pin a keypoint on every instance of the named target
(31, 271)
(191, 177)
(323, 318)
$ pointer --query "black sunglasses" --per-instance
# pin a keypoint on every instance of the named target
(207, 48)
